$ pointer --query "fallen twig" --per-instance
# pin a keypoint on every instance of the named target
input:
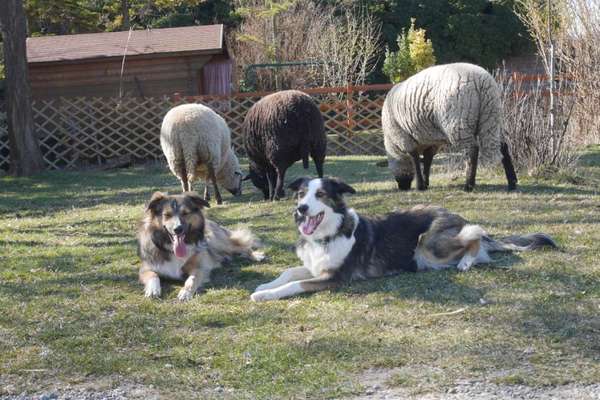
(449, 313)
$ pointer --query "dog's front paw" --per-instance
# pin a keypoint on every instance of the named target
(152, 288)
(262, 296)
(257, 255)
(466, 263)
(263, 287)
(185, 295)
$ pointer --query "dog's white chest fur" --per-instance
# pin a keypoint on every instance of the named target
(172, 268)
(318, 257)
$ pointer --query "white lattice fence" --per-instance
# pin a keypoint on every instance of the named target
(101, 128)
(352, 116)
(83, 130)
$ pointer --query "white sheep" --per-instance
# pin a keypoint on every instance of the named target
(197, 144)
(453, 104)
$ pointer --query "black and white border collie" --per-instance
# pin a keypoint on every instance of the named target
(338, 245)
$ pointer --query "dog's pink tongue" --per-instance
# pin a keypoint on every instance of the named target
(309, 226)
(179, 246)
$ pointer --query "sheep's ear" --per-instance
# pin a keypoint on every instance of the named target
(155, 203)
(295, 185)
(197, 199)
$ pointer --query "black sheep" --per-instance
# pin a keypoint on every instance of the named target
(279, 130)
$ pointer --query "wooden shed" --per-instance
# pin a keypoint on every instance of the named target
(146, 63)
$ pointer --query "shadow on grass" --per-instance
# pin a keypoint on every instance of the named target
(533, 188)
(562, 324)
(66, 287)
(440, 287)
(53, 192)
(26, 243)
(591, 158)
(56, 191)
(565, 313)
(231, 275)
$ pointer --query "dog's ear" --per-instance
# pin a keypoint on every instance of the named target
(295, 185)
(197, 200)
(342, 187)
(155, 203)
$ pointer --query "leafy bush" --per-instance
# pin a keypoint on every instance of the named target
(415, 53)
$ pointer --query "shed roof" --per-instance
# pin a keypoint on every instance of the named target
(205, 39)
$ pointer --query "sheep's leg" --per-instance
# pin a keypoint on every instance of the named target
(319, 165)
(279, 193)
(271, 189)
(271, 180)
(206, 192)
(509, 169)
(427, 160)
(418, 174)
(472, 167)
(213, 179)
(185, 183)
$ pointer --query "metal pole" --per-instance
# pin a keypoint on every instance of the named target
(275, 48)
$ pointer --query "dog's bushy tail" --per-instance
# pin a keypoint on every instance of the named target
(242, 238)
(471, 233)
(519, 242)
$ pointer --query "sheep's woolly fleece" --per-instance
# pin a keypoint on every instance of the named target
(193, 135)
(451, 104)
(280, 129)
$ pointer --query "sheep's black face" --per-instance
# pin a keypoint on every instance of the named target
(259, 179)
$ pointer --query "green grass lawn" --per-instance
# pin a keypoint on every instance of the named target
(72, 311)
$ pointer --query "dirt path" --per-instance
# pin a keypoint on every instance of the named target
(489, 391)
(373, 380)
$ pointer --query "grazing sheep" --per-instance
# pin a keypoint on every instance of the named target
(197, 144)
(452, 104)
(279, 130)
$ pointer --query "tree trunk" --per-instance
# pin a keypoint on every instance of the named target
(25, 155)
(125, 13)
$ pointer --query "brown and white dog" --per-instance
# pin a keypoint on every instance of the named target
(176, 241)
(338, 245)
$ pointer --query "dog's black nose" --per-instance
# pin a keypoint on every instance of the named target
(302, 208)
(178, 229)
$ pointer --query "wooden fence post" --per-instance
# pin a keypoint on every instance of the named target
(350, 108)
